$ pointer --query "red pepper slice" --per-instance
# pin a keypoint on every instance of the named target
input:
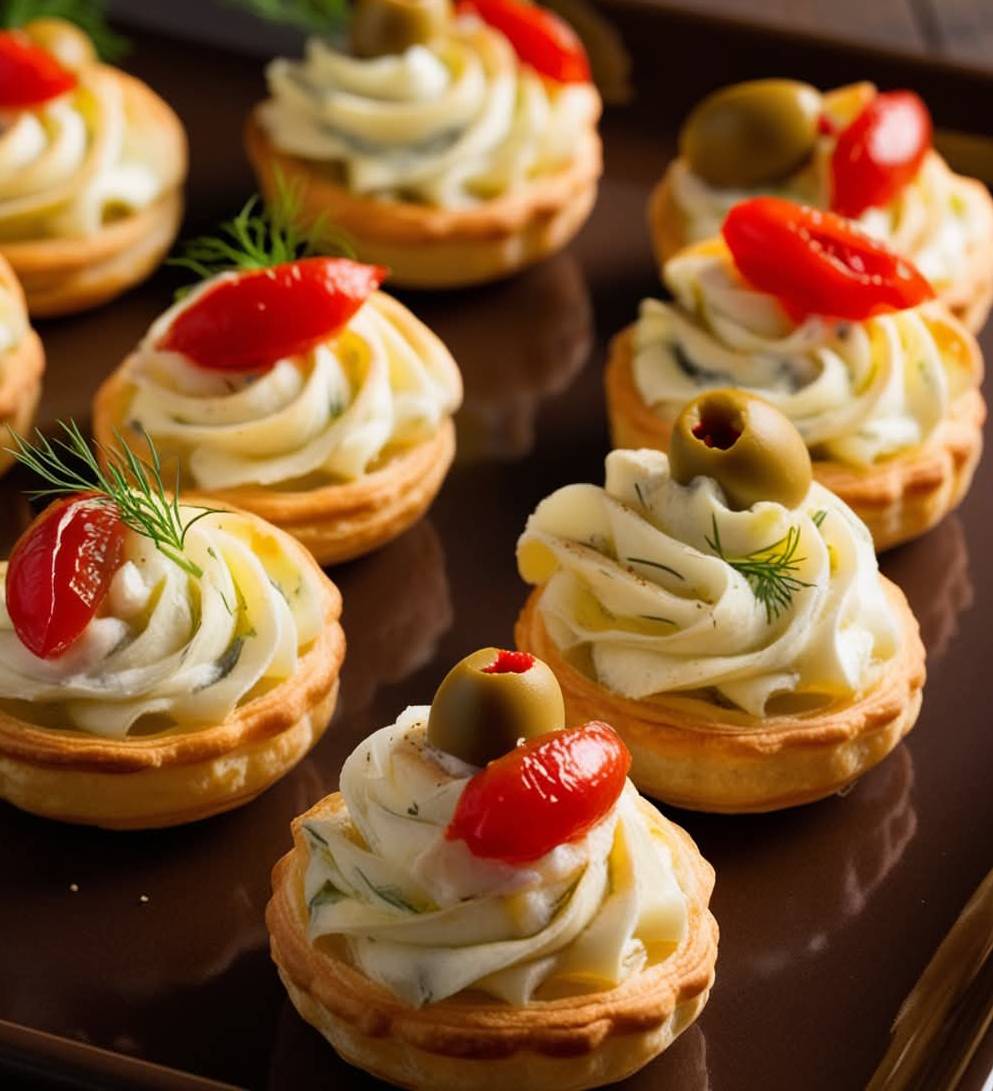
(539, 37)
(815, 262)
(250, 321)
(28, 75)
(879, 153)
(59, 572)
(545, 793)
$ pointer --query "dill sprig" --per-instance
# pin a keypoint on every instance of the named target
(128, 483)
(260, 236)
(89, 15)
(315, 16)
(769, 570)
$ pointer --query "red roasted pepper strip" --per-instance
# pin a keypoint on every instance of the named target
(879, 153)
(249, 321)
(539, 37)
(818, 263)
(545, 793)
(29, 76)
(60, 570)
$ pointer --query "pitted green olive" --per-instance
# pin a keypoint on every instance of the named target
(752, 133)
(69, 45)
(490, 700)
(745, 444)
(383, 27)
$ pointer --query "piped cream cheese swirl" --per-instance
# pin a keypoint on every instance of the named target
(939, 220)
(424, 917)
(185, 651)
(450, 124)
(380, 386)
(72, 164)
(638, 588)
(857, 392)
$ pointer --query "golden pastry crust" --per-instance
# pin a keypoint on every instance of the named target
(183, 774)
(473, 1043)
(968, 297)
(67, 275)
(335, 522)
(703, 757)
(898, 499)
(20, 376)
(429, 247)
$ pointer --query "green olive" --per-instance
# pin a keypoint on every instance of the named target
(69, 45)
(745, 444)
(751, 133)
(492, 699)
(383, 27)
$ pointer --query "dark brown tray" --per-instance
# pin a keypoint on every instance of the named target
(829, 913)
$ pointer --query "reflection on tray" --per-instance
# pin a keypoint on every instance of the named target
(115, 945)
(397, 608)
(539, 333)
(837, 856)
(934, 574)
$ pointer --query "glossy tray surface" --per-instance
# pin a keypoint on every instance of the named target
(828, 913)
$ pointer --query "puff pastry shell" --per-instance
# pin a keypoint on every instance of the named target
(703, 757)
(471, 1043)
(67, 275)
(428, 247)
(336, 522)
(898, 499)
(183, 774)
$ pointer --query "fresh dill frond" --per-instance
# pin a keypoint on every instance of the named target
(133, 486)
(89, 15)
(818, 518)
(770, 571)
(316, 16)
(261, 236)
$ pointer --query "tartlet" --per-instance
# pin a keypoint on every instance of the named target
(889, 405)
(341, 436)
(91, 178)
(545, 981)
(734, 628)
(938, 219)
(441, 153)
(22, 364)
(195, 679)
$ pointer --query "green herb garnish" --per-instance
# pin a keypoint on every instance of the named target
(125, 481)
(260, 237)
(769, 571)
(818, 518)
(89, 15)
(656, 564)
(388, 894)
(316, 16)
(328, 894)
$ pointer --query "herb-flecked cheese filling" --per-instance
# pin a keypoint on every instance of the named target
(653, 587)
(171, 647)
(73, 164)
(857, 392)
(451, 124)
(420, 914)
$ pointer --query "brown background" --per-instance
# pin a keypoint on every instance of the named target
(828, 913)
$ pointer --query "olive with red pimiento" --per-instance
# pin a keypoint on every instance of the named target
(491, 700)
(745, 444)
